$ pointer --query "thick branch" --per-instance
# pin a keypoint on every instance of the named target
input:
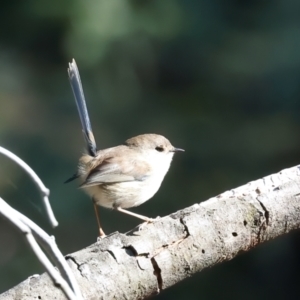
(145, 261)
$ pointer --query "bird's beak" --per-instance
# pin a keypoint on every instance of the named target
(177, 150)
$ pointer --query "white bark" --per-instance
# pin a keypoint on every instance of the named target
(143, 262)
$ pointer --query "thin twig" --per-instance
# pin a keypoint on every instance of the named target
(30, 231)
(43, 190)
(49, 245)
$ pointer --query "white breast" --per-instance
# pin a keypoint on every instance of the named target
(132, 193)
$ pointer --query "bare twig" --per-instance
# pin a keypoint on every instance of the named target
(43, 190)
(32, 231)
(49, 245)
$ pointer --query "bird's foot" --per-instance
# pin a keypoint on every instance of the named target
(148, 221)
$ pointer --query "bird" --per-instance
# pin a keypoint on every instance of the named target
(123, 176)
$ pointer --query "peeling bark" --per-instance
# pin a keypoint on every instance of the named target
(156, 256)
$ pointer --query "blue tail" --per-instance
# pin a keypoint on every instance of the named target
(76, 85)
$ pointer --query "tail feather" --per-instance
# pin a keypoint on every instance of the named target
(76, 85)
(75, 176)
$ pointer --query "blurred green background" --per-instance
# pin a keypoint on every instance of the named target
(218, 78)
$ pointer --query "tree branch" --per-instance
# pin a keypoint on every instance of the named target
(158, 255)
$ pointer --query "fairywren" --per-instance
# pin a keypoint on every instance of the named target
(123, 176)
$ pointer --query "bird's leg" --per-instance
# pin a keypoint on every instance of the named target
(101, 232)
(146, 219)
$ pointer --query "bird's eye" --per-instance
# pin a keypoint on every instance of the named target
(159, 148)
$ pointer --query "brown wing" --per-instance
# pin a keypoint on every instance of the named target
(115, 169)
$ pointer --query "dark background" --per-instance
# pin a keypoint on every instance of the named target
(218, 78)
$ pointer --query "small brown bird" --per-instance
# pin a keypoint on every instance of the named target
(123, 176)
